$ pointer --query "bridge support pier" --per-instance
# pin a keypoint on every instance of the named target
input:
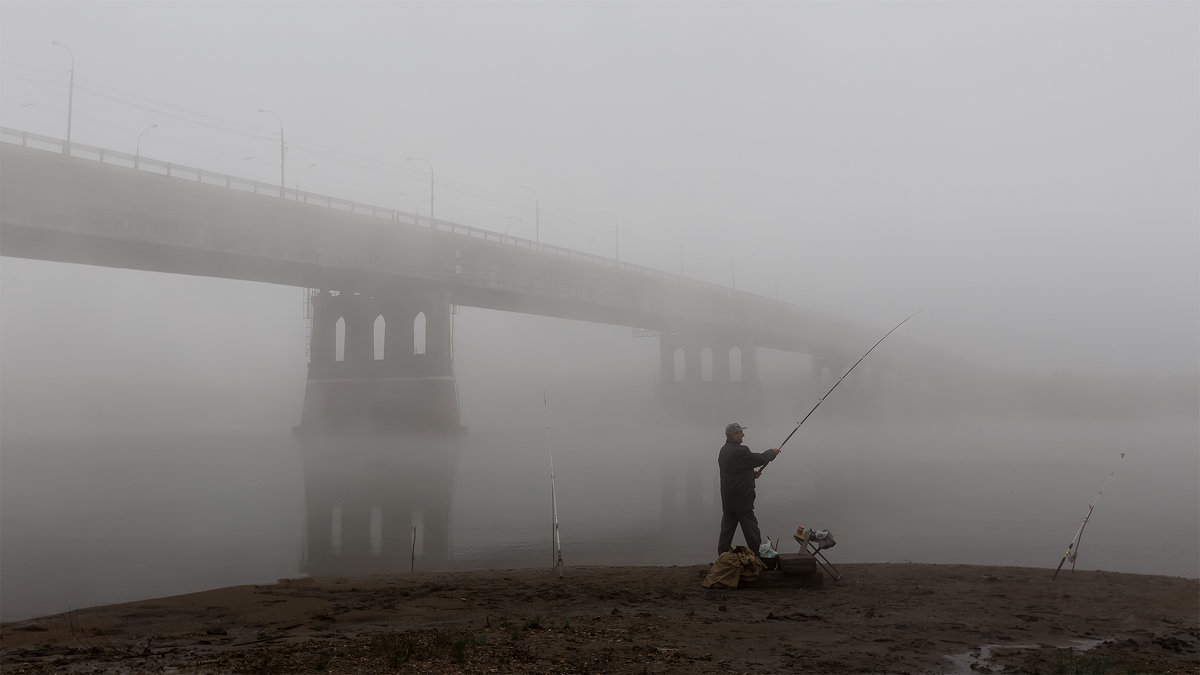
(381, 365)
(379, 432)
(704, 383)
(703, 380)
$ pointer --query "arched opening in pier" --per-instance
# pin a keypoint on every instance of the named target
(735, 364)
(419, 334)
(380, 335)
(706, 365)
(339, 339)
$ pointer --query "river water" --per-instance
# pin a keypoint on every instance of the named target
(101, 520)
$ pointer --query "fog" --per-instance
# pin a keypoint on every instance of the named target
(1027, 173)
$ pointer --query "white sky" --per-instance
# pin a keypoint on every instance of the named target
(1028, 172)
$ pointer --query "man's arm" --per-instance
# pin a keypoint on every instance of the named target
(754, 460)
(744, 459)
(765, 457)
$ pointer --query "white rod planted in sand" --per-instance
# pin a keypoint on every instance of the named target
(556, 559)
(1073, 547)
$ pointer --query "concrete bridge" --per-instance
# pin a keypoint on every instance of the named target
(381, 359)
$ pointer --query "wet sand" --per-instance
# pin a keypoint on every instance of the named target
(880, 618)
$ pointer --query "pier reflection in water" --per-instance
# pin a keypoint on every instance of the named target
(102, 520)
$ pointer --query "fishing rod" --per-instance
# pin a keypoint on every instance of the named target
(556, 558)
(848, 370)
(1073, 547)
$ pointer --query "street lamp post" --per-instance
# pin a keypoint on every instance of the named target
(282, 152)
(413, 159)
(537, 216)
(70, 91)
(137, 153)
(299, 174)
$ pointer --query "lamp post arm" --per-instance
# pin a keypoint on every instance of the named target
(299, 174)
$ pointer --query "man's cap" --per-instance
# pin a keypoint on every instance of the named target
(734, 428)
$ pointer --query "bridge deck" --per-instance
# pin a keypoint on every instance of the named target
(99, 207)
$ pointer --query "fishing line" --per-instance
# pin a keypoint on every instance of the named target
(848, 371)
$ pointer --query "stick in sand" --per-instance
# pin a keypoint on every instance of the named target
(1073, 547)
(556, 558)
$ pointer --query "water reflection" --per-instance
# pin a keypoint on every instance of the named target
(93, 521)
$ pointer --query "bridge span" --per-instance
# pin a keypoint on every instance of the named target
(100, 207)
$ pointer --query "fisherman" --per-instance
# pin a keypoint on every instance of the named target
(739, 468)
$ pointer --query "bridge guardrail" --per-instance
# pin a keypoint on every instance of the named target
(182, 172)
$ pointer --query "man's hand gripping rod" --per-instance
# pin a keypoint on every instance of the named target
(839, 380)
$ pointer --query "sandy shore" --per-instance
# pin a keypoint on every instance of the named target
(889, 618)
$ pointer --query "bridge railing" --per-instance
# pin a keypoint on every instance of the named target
(193, 174)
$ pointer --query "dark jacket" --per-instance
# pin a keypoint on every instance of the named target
(738, 465)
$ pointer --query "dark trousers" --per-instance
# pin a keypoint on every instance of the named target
(729, 522)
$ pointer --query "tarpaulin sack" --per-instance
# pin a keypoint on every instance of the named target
(740, 564)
